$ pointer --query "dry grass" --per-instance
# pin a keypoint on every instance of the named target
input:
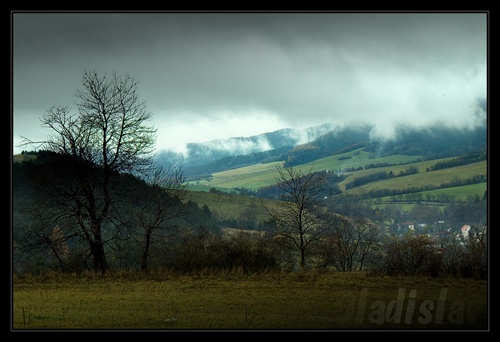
(234, 300)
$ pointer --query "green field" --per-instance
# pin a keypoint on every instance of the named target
(355, 159)
(256, 176)
(251, 177)
(460, 193)
(227, 206)
(421, 179)
(332, 301)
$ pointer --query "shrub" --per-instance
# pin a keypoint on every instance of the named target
(411, 255)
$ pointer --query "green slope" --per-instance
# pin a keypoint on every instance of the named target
(250, 177)
(421, 179)
(256, 176)
(227, 206)
(259, 175)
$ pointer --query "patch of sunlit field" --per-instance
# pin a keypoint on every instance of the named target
(421, 179)
(460, 193)
(256, 176)
(358, 158)
(235, 301)
(250, 177)
(259, 175)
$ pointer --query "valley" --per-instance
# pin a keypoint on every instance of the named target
(413, 183)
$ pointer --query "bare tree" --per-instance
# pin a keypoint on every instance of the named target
(299, 217)
(160, 205)
(109, 135)
(352, 240)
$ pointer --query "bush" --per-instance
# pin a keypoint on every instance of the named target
(419, 255)
(410, 255)
(243, 252)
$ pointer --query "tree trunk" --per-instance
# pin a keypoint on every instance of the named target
(302, 259)
(144, 264)
(97, 250)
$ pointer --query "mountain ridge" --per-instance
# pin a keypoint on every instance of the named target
(199, 154)
(431, 142)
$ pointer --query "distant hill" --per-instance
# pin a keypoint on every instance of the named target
(432, 142)
(360, 172)
(428, 143)
(202, 154)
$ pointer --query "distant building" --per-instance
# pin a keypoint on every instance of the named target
(464, 232)
(410, 225)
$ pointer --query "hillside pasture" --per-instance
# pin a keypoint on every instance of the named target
(355, 159)
(250, 177)
(459, 193)
(227, 206)
(421, 179)
(256, 176)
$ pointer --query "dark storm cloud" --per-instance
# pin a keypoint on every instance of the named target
(240, 74)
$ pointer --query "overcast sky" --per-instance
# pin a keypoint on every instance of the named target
(215, 75)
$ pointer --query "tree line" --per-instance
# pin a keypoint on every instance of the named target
(468, 158)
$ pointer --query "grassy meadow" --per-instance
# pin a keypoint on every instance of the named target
(250, 177)
(228, 206)
(460, 193)
(256, 176)
(421, 179)
(232, 301)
